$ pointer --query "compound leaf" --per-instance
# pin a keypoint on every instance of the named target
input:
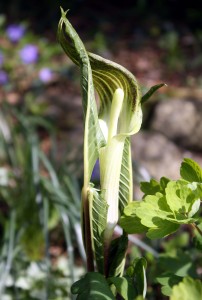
(188, 289)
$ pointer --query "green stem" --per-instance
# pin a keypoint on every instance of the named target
(197, 228)
(87, 231)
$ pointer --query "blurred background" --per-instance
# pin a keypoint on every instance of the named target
(41, 129)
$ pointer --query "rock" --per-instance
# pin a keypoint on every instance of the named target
(157, 154)
(181, 121)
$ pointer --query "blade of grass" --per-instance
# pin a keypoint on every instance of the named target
(7, 252)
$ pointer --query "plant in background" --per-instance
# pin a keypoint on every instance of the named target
(106, 138)
(37, 196)
(23, 56)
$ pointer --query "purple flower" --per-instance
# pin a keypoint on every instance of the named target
(45, 75)
(1, 59)
(15, 32)
(3, 77)
(29, 54)
(96, 172)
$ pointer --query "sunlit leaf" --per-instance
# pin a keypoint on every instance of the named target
(190, 170)
(188, 289)
(129, 220)
(180, 197)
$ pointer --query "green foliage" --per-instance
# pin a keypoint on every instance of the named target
(117, 255)
(188, 289)
(36, 200)
(191, 171)
(133, 284)
(166, 205)
(129, 221)
(92, 286)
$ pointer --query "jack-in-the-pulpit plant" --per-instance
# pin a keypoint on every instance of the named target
(107, 130)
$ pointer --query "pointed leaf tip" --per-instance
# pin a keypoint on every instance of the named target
(63, 13)
(151, 91)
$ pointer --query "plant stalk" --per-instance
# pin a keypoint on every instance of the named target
(87, 231)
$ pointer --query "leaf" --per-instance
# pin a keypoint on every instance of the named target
(92, 286)
(168, 280)
(188, 289)
(140, 265)
(162, 229)
(98, 216)
(155, 214)
(129, 220)
(180, 197)
(124, 286)
(134, 282)
(179, 264)
(152, 208)
(195, 207)
(75, 49)
(191, 171)
(117, 255)
(126, 180)
(151, 91)
(153, 187)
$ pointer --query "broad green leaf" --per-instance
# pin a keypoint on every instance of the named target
(129, 220)
(162, 228)
(151, 91)
(124, 286)
(92, 286)
(188, 289)
(180, 197)
(153, 208)
(155, 214)
(117, 255)
(191, 171)
(98, 214)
